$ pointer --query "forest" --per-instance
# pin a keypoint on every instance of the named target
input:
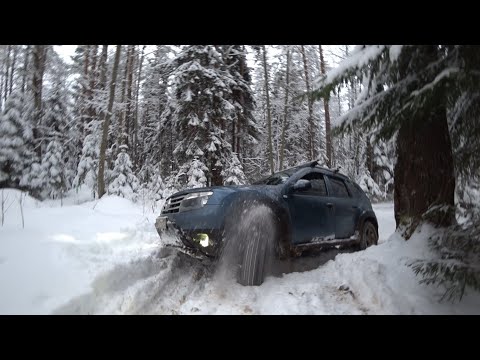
(143, 122)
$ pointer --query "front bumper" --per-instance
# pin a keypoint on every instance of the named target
(184, 239)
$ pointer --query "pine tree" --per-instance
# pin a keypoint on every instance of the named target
(124, 182)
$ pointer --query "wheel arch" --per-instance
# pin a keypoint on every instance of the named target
(233, 203)
(367, 216)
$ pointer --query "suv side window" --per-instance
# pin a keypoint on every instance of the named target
(358, 190)
(318, 184)
(339, 188)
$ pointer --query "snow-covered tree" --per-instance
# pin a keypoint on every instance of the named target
(371, 188)
(53, 170)
(124, 182)
(88, 165)
(203, 108)
(153, 132)
(15, 136)
(404, 92)
(191, 175)
(233, 173)
(196, 174)
(156, 187)
(423, 94)
(244, 124)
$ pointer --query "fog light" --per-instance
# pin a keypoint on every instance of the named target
(202, 239)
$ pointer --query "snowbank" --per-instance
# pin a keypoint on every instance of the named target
(61, 249)
(104, 257)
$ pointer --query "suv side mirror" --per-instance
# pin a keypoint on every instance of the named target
(302, 185)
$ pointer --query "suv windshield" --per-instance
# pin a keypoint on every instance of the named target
(277, 178)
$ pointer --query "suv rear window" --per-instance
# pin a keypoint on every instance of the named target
(339, 188)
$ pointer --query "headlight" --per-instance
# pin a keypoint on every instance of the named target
(195, 200)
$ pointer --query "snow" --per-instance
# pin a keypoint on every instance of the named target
(62, 249)
(359, 57)
(394, 52)
(104, 257)
(444, 74)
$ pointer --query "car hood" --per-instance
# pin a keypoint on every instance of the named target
(219, 192)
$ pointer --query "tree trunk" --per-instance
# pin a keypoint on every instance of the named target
(39, 60)
(103, 67)
(93, 80)
(137, 93)
(128, 112)
(25, 68)
(424, 171)
(370, 157)
(269, 117)
(242, 125)
(12, 72)
(122, 133)
(1, 82)
(328, 132)
(106, 122)
(102, 70)
(234, 144)
(311, 127)
(84, 106)
(285, 110)
(7, 72)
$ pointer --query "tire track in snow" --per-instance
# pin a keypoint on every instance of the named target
(160, 281)
(169, 282)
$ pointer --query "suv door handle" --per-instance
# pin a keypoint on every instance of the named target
(330, 205)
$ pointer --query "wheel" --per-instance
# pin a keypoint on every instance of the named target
(368, 235)
(252, 239)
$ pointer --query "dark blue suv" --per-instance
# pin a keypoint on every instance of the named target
(295, 211)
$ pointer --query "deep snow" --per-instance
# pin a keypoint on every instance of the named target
(104, 257)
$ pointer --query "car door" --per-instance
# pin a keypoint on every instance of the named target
(345, 207)
(311, 212)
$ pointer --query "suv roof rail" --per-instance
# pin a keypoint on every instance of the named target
(321, 165)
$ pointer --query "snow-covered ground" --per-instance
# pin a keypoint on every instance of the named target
(104, 257)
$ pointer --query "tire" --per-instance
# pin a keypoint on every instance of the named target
(253, 237)
(368, 235)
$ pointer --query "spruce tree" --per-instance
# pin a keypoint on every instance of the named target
(426, 97)
(53, 171)
(233, 173)
(87, 169)
(15, 136)
(203, 108)
(124, 182)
